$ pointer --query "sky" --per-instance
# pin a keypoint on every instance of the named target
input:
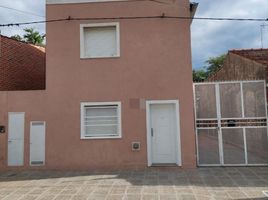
(213, 38)
(209, 38)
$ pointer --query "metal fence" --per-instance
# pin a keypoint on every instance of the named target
(231, 123)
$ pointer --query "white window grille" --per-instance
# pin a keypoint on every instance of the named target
(101, 120)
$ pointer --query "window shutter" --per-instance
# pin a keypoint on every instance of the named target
(100, 41)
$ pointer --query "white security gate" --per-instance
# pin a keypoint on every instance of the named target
(37, 143)
(231, 123)
(15, 139)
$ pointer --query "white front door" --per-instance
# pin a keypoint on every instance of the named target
(15, 139)
(163, 134)
(37, 143)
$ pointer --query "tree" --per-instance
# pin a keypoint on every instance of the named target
(33, 37)
(199, 75)
(30, 36)
(213, 64)
(17, 37)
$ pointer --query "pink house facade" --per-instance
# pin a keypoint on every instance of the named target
(118, 91)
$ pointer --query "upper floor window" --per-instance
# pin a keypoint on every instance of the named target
(99, 40)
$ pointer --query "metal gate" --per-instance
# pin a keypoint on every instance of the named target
(231, 123)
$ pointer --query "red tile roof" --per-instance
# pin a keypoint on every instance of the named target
(22, 65)
(257, 55)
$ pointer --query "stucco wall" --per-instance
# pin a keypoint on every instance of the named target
(155, 64)
(34, 104)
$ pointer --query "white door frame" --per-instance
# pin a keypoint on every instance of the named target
(148, 124)
(8, 137)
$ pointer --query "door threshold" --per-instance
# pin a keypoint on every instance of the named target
(164, 165)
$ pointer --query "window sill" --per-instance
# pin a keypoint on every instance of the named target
(101, 138)
(41, 165)
(99, 57)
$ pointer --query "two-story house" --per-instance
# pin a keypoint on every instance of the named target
(118, 90)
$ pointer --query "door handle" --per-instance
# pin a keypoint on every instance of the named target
(152, 132)
(9, 141)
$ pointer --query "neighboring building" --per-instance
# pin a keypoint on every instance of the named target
(246, 64)
(231, 112)
(118, 92)
(22, 65)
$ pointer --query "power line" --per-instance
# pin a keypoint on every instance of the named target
(22, 11)
(163, 16)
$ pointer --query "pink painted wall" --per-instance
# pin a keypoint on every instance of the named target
(155, 64)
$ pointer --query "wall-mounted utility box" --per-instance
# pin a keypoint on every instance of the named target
(136, 146)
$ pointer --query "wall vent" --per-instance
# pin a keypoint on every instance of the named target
(37, 163)
(38, 123)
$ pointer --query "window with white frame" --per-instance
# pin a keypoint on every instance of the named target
(100, 40)
(101, 120)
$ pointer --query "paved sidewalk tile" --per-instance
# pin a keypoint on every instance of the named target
(241, 183)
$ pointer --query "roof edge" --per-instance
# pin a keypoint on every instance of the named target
(193, 9)
(28, 43)
(243, 53)
(252, 49)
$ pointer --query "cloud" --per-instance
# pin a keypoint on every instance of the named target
(212, 38)
(10, 16)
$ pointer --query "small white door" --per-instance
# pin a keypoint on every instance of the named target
(164, 141)
(37, 143)
(15, 139)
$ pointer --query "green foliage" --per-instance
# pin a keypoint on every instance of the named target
(213, 64)
(199, 75)
(31, 36)
(16, 37)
